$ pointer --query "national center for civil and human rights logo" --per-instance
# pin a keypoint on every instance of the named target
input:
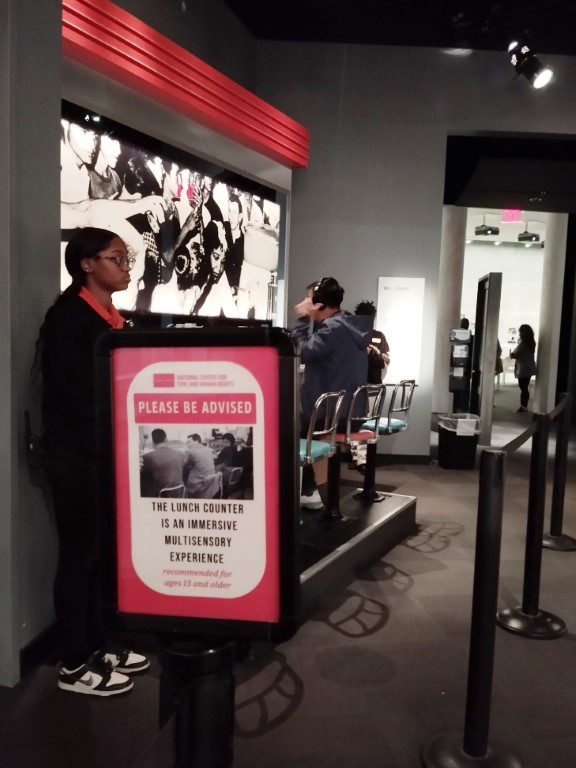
(163, 380)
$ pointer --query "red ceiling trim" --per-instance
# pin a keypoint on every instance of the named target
(101, 35)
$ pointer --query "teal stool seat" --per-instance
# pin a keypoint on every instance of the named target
(396, 425)
(318, 449)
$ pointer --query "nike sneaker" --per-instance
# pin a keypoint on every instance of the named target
(93, 680)
(122, 660)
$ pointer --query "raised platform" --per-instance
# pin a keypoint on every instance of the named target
(334, 550)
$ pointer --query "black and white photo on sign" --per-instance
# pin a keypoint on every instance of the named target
(196, 461)
(202, 247)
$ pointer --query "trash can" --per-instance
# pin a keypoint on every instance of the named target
(457, 441)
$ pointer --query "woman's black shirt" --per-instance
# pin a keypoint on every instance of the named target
(68, 393)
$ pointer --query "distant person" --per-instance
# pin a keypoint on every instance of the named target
(462, 396)
(228, 456)
(333, 350)
(161, 468)
(525, 365)
(378, 359)
(378, 348)
(499, 368)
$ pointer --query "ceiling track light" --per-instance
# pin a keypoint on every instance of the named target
(526, 63)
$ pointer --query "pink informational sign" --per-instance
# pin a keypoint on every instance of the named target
(196, 473)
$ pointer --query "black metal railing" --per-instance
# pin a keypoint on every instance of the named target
(528, 619)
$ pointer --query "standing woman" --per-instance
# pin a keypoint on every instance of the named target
(98, 263)
(525, 365)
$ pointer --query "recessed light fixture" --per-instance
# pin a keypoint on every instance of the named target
(498, 242)
(527, 245)
(468, 241)
(457, 51)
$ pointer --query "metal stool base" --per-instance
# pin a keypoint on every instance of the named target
(562, 543)
(542, 626)
(371, 497)
(446, 752)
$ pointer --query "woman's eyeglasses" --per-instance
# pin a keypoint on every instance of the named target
(122, 262)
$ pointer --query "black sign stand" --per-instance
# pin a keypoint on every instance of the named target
(197, 656)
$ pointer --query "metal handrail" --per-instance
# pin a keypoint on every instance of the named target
(565, 398)
(516, 442)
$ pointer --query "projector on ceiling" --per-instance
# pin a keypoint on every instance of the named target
(485, 229)
(528, 237)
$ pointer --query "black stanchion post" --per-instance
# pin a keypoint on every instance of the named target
(449, 750)
(197, 685)
(556, 539)
(527, 619)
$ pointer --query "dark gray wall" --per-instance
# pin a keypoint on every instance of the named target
(29, 211)
(31, 87)
(206, 28)
(370, 203)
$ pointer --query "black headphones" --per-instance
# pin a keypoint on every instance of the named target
(327, 291)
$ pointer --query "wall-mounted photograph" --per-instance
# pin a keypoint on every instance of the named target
(205, 240)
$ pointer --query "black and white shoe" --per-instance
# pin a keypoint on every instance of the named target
(123, 660)
(311, 501)
(93, 680)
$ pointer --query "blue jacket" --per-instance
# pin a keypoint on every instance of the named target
(335, 357)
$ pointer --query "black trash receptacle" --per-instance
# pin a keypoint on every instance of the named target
(456, 451)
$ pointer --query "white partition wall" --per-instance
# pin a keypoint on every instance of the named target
(399, 317)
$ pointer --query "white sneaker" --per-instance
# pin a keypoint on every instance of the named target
(93, 680)
(313, 501)
(123, 660)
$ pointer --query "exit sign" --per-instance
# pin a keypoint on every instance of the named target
(511, 214)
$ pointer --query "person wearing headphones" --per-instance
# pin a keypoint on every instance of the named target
(333, 350)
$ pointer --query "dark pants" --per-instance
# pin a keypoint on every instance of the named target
(524, 392)
(76, 585)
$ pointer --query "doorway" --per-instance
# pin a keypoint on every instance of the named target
(492, 244)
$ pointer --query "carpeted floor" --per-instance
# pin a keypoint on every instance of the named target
(375, 674)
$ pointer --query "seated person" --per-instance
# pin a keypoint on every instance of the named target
(228, 456)
(161, 468)
(199, 472)
(246, 461)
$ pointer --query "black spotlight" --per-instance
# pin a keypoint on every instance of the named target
(526, 63)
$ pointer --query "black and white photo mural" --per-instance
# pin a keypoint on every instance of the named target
(206, 241)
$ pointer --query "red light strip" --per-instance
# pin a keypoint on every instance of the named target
(103, 36)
